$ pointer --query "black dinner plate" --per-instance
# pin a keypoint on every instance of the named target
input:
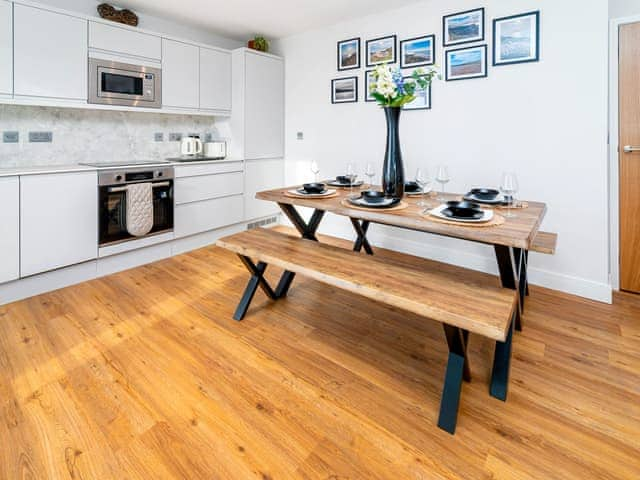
(362, 202)
(462, 214)
(486, 194)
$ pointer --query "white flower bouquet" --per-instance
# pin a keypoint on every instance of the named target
(391, 89)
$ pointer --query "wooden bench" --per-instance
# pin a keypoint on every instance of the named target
(545, 242)
(461, 304)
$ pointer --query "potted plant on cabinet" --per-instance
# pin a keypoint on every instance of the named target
(259, 43)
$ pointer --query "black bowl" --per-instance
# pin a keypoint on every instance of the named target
(463, 209)
(344, 179)
(412, 187)
(485, 193)
(372, 196)
(313, 187)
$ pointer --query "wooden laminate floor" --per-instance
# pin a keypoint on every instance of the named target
(143, 375)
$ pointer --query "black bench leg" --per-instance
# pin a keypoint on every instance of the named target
(509, 264)
(361, 229)
(502, 366)
(457, 371)
(306, 230)
(257, 280)
(526, 266)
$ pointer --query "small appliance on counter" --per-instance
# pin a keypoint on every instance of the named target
(191, 146)
(210, 151)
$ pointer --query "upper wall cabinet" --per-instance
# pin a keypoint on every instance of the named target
(122, 40)
(50, 54)
(258, 105)
(215, 79)
(6, 48)
(180, 75)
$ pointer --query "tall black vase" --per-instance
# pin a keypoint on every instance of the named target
(393, 170)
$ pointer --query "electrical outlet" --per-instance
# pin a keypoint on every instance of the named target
(300, 135)
(40, 137)
(10, 137)
(158, 137)
(175, 137)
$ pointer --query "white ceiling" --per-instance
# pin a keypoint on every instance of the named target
(241, 19)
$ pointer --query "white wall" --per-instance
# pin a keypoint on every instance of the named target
(547, 121)
(623, 8)
(150, 22)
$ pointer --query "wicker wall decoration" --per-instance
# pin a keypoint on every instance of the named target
(125, 16)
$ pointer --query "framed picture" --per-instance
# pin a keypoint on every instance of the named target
(422, 101)
(464, 63)
(416, 52)
(516, 39)
(344, 90)
(381, 50)
(463, 27)
(368, 81)
(349, 54)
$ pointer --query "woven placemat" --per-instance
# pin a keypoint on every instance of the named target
(313, 197)
(401, 206)
(496, 221)
(518, 205)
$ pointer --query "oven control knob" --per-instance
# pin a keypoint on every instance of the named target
(160, 174)
(118, 178)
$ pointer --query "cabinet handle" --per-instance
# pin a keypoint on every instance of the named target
(122, 189)
(631, 149)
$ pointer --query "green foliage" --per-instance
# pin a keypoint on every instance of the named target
(261, 43)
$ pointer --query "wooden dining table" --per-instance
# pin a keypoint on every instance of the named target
(511, 240)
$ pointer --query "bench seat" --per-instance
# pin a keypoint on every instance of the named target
(545, 242)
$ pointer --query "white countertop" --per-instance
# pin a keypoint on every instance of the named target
(45, 169)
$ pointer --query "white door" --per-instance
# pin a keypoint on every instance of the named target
(261, 175)
(264, 107)
(58, 220)
(6, 48)
(50, 56)
(215, 79)
(180, 74)
(10, 222)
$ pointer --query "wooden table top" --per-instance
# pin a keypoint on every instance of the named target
(517, 232)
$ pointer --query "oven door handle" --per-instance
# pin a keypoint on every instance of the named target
(123, 189)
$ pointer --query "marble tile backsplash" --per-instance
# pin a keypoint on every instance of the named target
(96, 135)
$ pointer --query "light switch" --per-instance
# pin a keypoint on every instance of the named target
(300, 135)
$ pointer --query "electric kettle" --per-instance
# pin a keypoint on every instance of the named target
(191, 145)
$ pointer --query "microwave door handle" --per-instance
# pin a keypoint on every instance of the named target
(122, 189)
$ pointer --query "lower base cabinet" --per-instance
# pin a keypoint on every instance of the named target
(197, 217)
(262, 175)
(10, 227)
(58, 221)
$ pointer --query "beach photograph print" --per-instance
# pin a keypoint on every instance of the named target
(463, 27)
(344, 90)
(516, 39)
(422, 100)
(464, 63)
(416, 52)
(349, 54)
(381, 50)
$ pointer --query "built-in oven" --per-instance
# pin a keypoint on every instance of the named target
(115, 83)
(112, 202)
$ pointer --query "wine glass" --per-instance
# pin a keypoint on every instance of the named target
(509, 187)
(370, 173)
(423, 181)
(315, 169)
(443, 178)
(351, 176)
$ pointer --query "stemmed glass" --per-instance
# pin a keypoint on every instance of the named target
(509, 187)
(315, 169)
(423, 181)
(351, 176)
(443, 178)
(370, 173)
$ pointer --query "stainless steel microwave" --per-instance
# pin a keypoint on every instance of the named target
(115, 83)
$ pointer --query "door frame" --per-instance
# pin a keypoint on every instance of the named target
(614, 154)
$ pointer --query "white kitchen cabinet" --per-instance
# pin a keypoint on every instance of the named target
(125, 41)
(206, 187)
(198, 217)
(50, 54)
(6, 48)
(58, 221)
(180, 75)
(264, 107)
(10, 221)
(215, 79)
(261, 175)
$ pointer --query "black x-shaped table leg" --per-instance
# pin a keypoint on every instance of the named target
(361, 228)
(457, 371)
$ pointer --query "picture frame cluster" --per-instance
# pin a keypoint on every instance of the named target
(515, 40)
